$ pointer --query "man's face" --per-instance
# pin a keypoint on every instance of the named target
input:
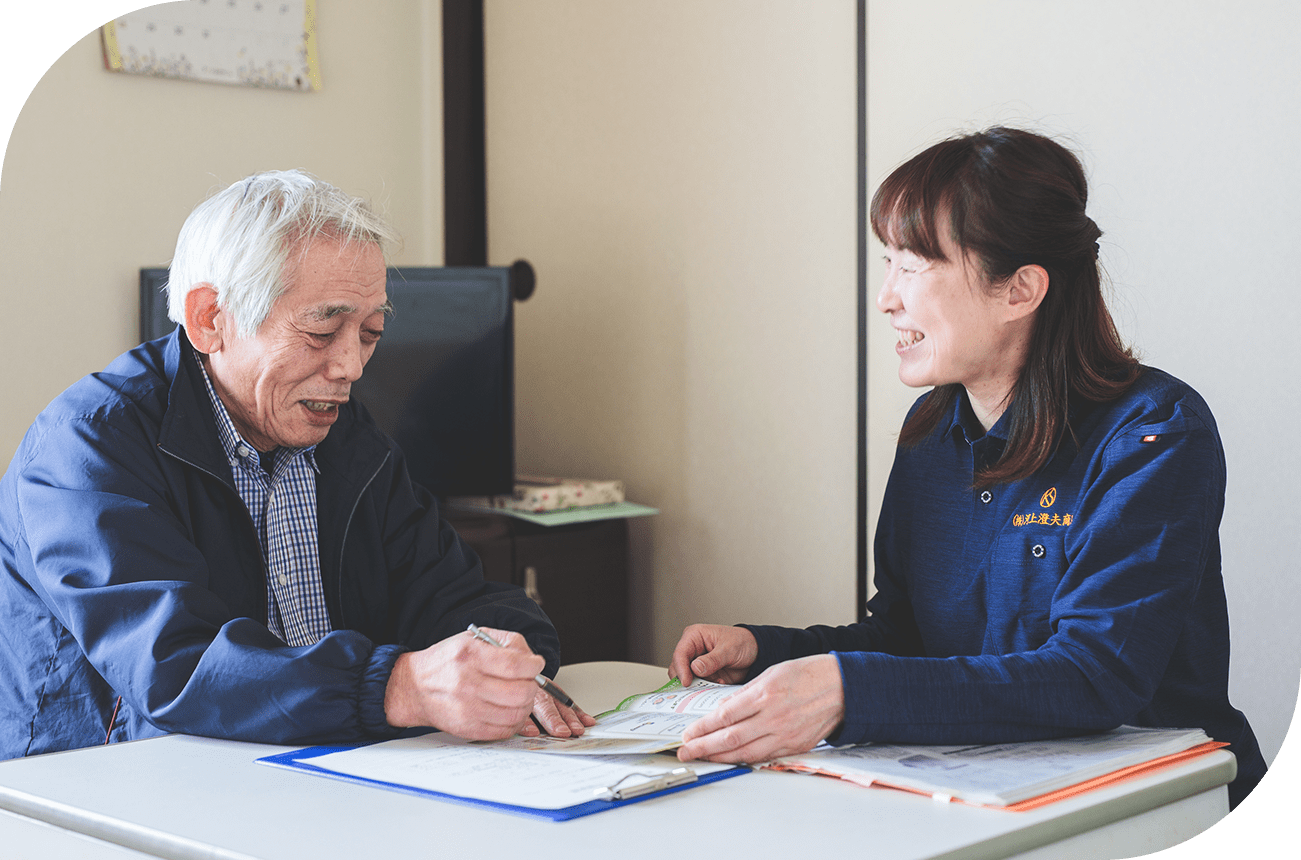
(284, 385)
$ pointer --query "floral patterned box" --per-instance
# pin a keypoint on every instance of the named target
(536, 494)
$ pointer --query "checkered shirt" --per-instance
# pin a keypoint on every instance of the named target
(283, 507)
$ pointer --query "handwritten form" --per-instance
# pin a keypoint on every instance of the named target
(494, 772)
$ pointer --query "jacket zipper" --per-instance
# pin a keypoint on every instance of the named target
(347, 525)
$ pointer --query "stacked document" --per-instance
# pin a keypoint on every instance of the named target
(1012, 776)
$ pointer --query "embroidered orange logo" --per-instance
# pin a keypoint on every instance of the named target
(1042, 520)
(1047, 499)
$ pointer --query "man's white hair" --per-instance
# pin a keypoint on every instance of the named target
(240, 239)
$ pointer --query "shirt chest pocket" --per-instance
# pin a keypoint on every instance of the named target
(1027, 566)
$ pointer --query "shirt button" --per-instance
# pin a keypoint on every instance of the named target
(1038, 550)
(243, 451)
(987, 497)
(284, 580)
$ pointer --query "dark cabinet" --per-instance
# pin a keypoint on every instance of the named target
(577, 573)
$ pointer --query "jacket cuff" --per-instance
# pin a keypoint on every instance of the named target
(374, 681)
(774, 647)
(853, 729)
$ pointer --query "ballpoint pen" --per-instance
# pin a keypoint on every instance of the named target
(543, 681)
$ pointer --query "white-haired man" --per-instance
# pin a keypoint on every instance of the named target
(210, 537)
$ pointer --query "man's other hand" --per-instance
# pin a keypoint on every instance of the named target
(556, 719)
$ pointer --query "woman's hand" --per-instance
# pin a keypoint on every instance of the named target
(786, 710)
(713, 652)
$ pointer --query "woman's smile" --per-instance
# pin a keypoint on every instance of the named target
(908, 338)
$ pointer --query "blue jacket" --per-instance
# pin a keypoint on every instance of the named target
(1085, 596)
(132, 583)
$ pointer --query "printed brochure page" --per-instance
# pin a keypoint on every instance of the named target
(644, 723)
(662, 713)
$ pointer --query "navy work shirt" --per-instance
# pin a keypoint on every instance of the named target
(1084, 597)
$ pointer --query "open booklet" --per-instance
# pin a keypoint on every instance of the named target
(640, 724)
(1010, 776)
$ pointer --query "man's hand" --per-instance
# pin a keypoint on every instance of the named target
(786, 710)
(713, 652)
(466, 687)
(556, 719)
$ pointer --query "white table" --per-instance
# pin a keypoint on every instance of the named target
(188, 797)
(23, 837)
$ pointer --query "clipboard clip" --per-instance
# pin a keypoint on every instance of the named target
(652, 783)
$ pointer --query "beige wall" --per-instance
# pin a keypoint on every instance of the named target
(102, 168)
(1187, 124)
(681, 174)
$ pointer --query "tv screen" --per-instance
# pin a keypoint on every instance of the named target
(442, 380)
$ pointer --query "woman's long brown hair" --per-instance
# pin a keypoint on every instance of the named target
(1014, 198)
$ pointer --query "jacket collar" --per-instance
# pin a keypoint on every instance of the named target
(189, 429)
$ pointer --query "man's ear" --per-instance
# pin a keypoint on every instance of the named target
(1026, 290)
(201, 319)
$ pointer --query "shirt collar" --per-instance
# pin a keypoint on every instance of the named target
(231, 442)
(965, 420)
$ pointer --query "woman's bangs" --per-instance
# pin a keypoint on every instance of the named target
(902, 217)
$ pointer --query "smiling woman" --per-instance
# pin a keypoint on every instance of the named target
(1047, 554)
(956, 329)
(1005, 209)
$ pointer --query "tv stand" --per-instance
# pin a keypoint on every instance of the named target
(578, 574)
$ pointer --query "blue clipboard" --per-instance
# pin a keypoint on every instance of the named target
(301, 760)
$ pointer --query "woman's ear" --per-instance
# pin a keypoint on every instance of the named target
(1026, 290)
(201, 323)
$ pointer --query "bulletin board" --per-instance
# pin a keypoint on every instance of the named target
(255, 43)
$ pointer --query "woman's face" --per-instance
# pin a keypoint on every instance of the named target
(951, 327)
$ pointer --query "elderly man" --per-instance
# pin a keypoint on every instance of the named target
(210, 537)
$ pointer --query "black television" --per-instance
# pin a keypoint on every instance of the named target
(442, 380)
